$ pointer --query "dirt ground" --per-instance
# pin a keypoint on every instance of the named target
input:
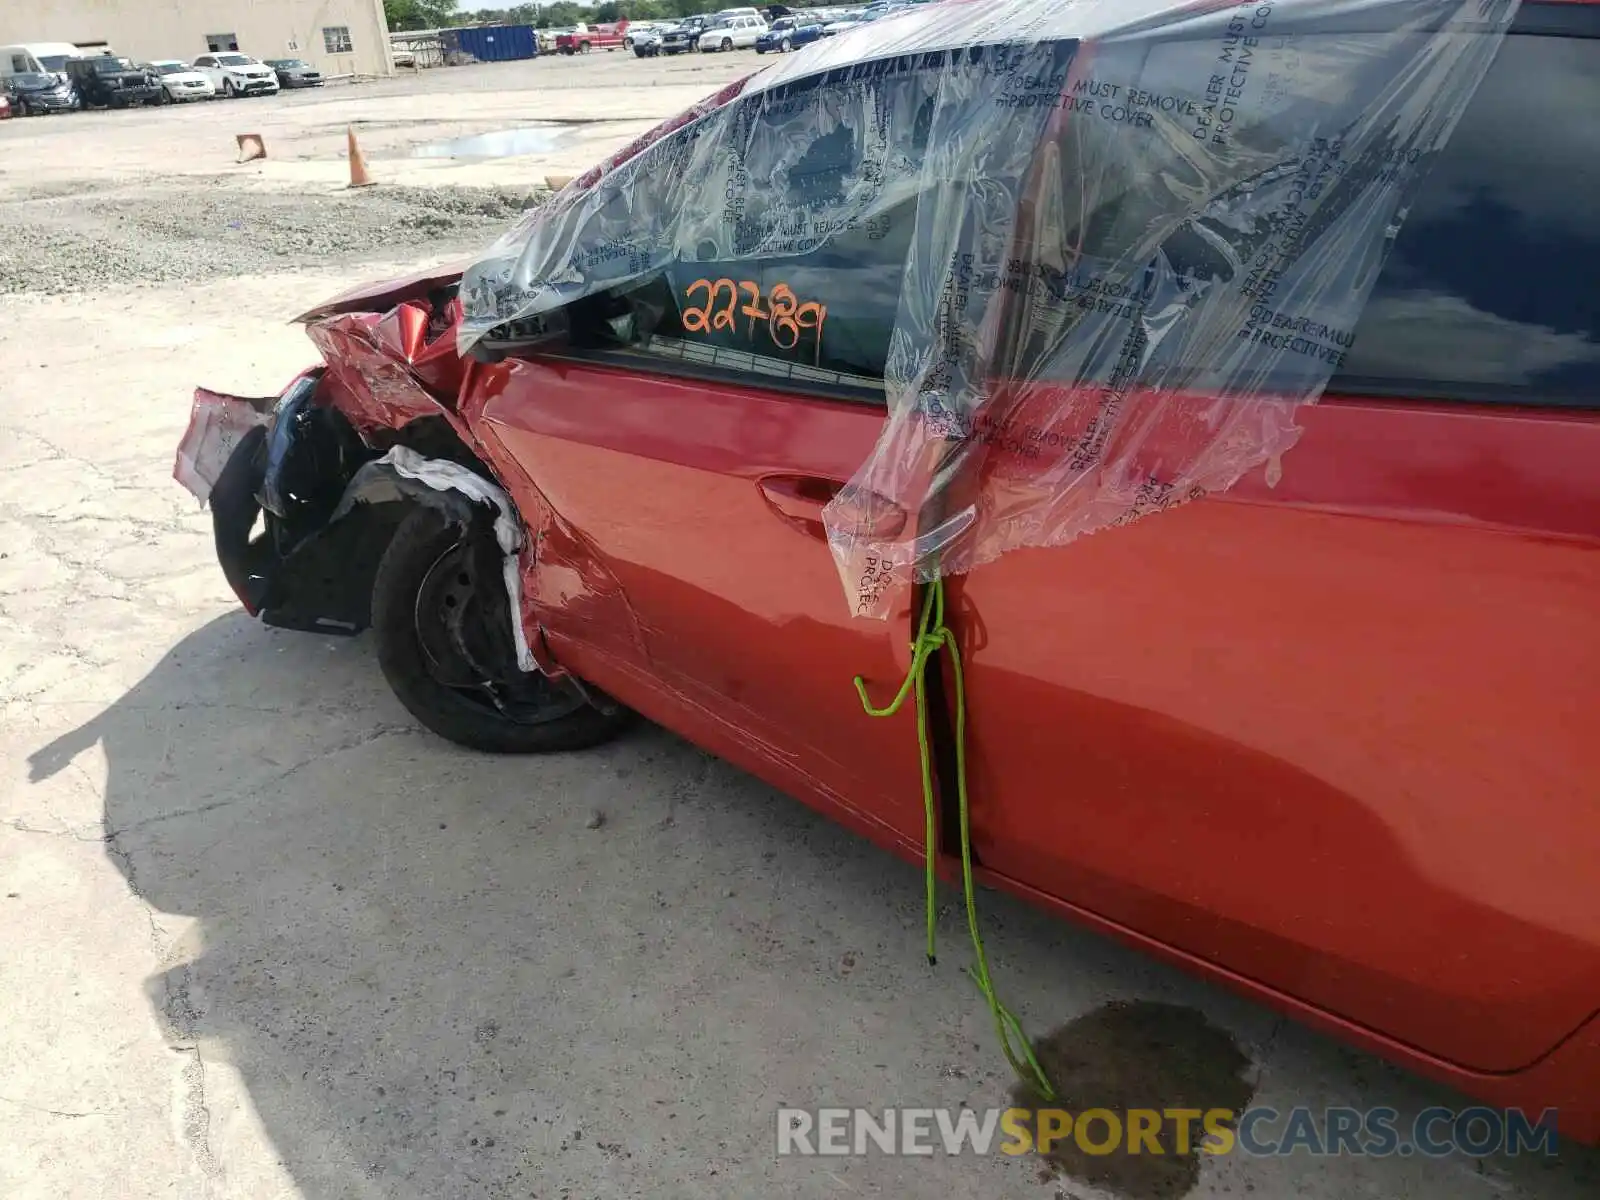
(260, 936)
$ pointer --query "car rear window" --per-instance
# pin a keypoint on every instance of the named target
(1490, 291)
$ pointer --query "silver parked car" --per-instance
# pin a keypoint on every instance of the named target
(296, 72)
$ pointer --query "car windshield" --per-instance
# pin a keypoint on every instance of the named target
(33, 79)
(54, 62)
(170, 68)
(110, 63)
(782, 23)
(234, 60)
(286, 62)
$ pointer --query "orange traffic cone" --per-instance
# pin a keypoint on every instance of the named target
(358, 164)
(251, 147)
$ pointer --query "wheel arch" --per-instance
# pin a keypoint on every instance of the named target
(321, 578)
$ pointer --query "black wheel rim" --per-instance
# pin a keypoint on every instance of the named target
(458, 649)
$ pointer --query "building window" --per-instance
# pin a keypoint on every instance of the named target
(222, 41)
(336, 39)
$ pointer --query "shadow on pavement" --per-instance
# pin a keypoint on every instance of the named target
(439, 975)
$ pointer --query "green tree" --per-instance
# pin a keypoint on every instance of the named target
(419, 14)
(563, 13)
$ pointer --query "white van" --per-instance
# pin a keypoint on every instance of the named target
(48, 56)
(18, 60)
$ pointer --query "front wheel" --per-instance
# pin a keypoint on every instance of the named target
(727, 44)
(229, 92)
(440, 616)
(786, 45)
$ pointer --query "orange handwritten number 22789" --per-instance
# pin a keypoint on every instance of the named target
(786, 318)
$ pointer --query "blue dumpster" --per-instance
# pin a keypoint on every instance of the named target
(494, 43)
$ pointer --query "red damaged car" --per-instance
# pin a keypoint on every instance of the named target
(1323, 732)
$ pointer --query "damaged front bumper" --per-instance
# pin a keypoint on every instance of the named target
(303, 508)
(296, 550)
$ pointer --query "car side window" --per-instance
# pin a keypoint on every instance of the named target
(824, 317)
(814, 310)
(1490, 290)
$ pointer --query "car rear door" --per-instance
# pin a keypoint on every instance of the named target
(1337, 736)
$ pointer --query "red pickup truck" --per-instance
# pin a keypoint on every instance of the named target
(595, 37)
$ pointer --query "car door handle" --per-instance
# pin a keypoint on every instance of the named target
(800, 499)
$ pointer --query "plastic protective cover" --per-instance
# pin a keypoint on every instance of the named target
(1136, 237)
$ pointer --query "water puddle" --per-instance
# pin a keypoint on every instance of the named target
(503, 143)
(1138, 1056)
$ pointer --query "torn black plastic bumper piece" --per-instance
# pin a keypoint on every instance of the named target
(286, 554)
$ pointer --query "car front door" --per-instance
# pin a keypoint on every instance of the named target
(708, 410)
(1336, 736)
(207, 66)
(694, 461)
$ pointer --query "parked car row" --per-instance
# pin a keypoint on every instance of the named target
(34, 84)
(774, 28)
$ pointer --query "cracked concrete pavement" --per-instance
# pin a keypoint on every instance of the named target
(260, 936)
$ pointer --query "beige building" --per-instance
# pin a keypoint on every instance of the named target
(341, 37)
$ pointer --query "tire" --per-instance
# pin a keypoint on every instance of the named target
(229, 92)
(786, 45)
(426, 562)
(583, 47)
(727, 44)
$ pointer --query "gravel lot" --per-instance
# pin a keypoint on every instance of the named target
(212, 229)
(154, 197)
(262, 937)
